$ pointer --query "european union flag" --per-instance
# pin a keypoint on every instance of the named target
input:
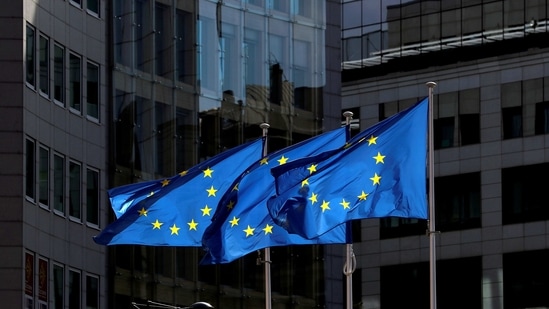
(176, 211)
(242, 223)
(382, 172)
(126, 196)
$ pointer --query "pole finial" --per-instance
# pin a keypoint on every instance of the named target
(431, 84)
(264, 126)
(348, 114)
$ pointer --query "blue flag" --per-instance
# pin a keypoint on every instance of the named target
(126, 196)
(242, 223)
(176, 211)
(382, 172)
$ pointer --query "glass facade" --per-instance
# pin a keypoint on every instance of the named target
(190, 80)
(379, 31)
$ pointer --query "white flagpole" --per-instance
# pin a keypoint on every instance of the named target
(349, 267)
(432, 231)
(267, 260)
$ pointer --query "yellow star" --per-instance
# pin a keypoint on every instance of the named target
(345, 204)
(192, 225)
(312, 168)
(325, 206)
(313, 198)
(208, 172)
(347, 145)
(305, 182)
(165, 182)
(268, 229)
(230, 205)
(264, 161)
(157, 224)
(282, 160)
(142, 212)
(234, 221)
(174, 229)
(372, 140)
(249, 231)
(362, 196)
(183, 173)
(379, 158)
(150, 194)
(206, 210)
(211, 191)
(235, 188)
(376, 179)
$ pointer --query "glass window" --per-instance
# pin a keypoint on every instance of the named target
(92, 196)
(75, 77)
(92, 88)
(93, 7)
(30, 173)
(30, 56)
(458, 202)
(542, 118)
(512, 122)
(122, 21)
(92, 292)
(394, 227)
(469, 125)
(74, 289)
(75, 191)
(58, 286)
(59, 183)
(44, 176)
(143, 38)
(184, 46)
(44, 64)
(524, 198)
(59, 73)
(526, 279)
(163, 41)
(444, 132)
(405, 284)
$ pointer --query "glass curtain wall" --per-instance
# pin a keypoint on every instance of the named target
(378, 31)
(191, 79)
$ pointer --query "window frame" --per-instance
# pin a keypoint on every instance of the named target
(75, 84)
(61, 74)
(72, 289)
(44, 65)
(30, 170)
(62, 194)
(30, 57)
(89, 291)
(75, 186)
(94, 11)
(44, 177)
(96, 193)
(97, 91)
(61, 286)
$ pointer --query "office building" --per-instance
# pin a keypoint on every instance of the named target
(98, 94)
(489, 60)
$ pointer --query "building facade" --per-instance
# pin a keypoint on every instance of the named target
(490, 62)
(98, 94)
(54, 164)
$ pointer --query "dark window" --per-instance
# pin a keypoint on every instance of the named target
(92, 197)
(92, 292)
(457, 200)
(512, 122)
(92, 85)
(30, 174)
(75, 77)
(400, 227)
(30, 56)
(74, 289)
(44, 64)
(75, 191)
(542, 118)
(526, 279)
(59, 73)
(59, 183)
(444, 132)
(44, 176)
(469, 128)
(524, 196)
(402, 285)
(93, 7)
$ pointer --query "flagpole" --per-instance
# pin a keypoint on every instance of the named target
(267, 260)
(432, 231)
(348, 269)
